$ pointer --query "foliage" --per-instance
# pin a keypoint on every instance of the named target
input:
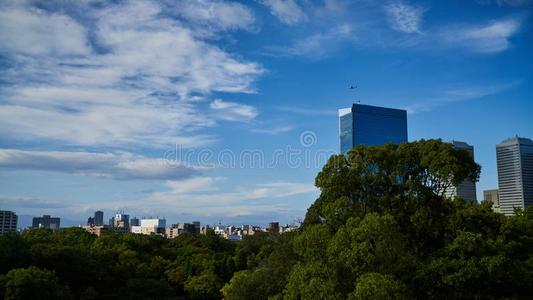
(32, 283)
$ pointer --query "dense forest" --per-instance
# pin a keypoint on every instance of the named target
(380, 229)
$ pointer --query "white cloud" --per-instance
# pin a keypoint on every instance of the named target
(404, 18)
(120, 165)
(204, 196)
(458, 94)
(32, 31)
(487, 38)
(222, 14)
(232, 111)
(287, 11)
(273, 130)
(317, 45)
(195, 184)
(136, 81)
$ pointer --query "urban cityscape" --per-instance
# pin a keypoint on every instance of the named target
(359, 125)
(266, 149)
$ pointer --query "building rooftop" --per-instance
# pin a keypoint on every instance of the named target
(515, 141)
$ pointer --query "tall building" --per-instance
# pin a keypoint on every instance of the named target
(46, 222)
(371, 126)
(99, 218)
(494, 197)
(466, 189)
(515, 173)
(8, 221)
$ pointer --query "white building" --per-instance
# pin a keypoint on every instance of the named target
(150, 226)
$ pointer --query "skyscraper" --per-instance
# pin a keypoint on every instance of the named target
(8, 221)
(371, 126)
(466, 189)
(515, 173)
(98, 218)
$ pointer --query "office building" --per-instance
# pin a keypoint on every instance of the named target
(99, 218)
(371, 126)
(8, 221)
(466, 189)
(494, 197)
(46, 222)
(515, 174)
(150, 226)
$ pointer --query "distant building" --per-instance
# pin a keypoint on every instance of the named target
(8, 221)
(150, 226)
(515, 174)
(176, 229)
(96, 230)
(466, 189)
(46, 222)
(121, 220)
(99, 218)
(135, 221)
(273, 227)
(371, 126)
(494, 197)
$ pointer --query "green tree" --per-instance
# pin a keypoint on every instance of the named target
(376, 286)
(33, 283)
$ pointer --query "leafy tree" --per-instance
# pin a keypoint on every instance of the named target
(33, 283)
(376, 286)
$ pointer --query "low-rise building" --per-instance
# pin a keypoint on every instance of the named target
(97, 230)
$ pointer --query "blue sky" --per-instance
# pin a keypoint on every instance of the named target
(224, 110)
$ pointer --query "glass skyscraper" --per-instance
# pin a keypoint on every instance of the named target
(515, 173)
(371, 126)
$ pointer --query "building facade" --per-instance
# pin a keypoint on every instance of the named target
(371, 126)
(150, 226)
(494, 197)
(8, 221)
(515, 174)
(466, 189)
(46, 222)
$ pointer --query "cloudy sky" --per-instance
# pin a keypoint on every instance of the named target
(225, 110)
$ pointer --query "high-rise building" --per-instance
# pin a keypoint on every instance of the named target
(46, 222)
(494, 197)
(371, 126)
(467, 188)
(98, 218)
(515, 174)
(8, 221)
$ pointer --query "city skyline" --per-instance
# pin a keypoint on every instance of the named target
(95, 108)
